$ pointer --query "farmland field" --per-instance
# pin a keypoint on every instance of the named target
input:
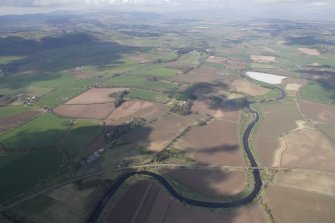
(25, 167)
(136, 114)
(316, 92)
(42, 132)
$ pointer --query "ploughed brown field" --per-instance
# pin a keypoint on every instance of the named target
(266, 148)
(158, 134)
(11, 121)
(209, 182)
(128, 110)
(276, 120)
(312, 181)
(309, 51)
(216, 143)
(204, 74)
(146, 202)
(293, 85)
(259, 58)
(317, 112)
(308, 150)
(95, 96)
(289, 205)
(82, 74)
(136, 108)
(247, 87)
(90, 111)
(214, 59)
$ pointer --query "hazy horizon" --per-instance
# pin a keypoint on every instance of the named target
(301, 9)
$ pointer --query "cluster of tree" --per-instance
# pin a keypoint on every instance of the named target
(119, 97)
(171, 153)
(126, 127)
(183, 95)
(186, 50)
(217, 99)
(92, 183)
(181, 107)
(152, 79)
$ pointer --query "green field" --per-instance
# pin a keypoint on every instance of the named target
(82, 133)
(8, 59)
(43, 131)
(139, 82)
(316, 92)
(148, 95)
(21, 171)
(12, 110)
(155, 71)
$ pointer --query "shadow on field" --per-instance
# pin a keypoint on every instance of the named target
(50, 55)
(223, 148)
(208, 94)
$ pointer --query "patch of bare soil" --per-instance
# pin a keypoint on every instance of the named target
(318, 112)
(178, 213)
(12, 121)
(157, 135)
(136, 108)
(209, 182)
(309, 51)
(319, 182)
(91, 111)
(147, 202)
(247, 87)
(259, 58)
(216, 143)
(95, 96)
(214, 59)
(308, 150)
(289, 205)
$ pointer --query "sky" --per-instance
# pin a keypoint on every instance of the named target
(293, 7)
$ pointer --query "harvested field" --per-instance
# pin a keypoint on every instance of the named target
(136, 108)
(309, 51)
(323, 183)
(267, 78)
(82, 74)
(157, 135)
(277, 119)
(258, 58)
(205, 73)
(95, 96)
(317, 112)
(181, 214)
(92, 111)
(216, 143)
(294, 85)
(266, 150)
(308, 150)
(247, 87)
(137, 204)
(289, 205)
(214, 59)
(11, 121)
(147, 202)
(209, 182)
(141, 58)
(328, 130)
